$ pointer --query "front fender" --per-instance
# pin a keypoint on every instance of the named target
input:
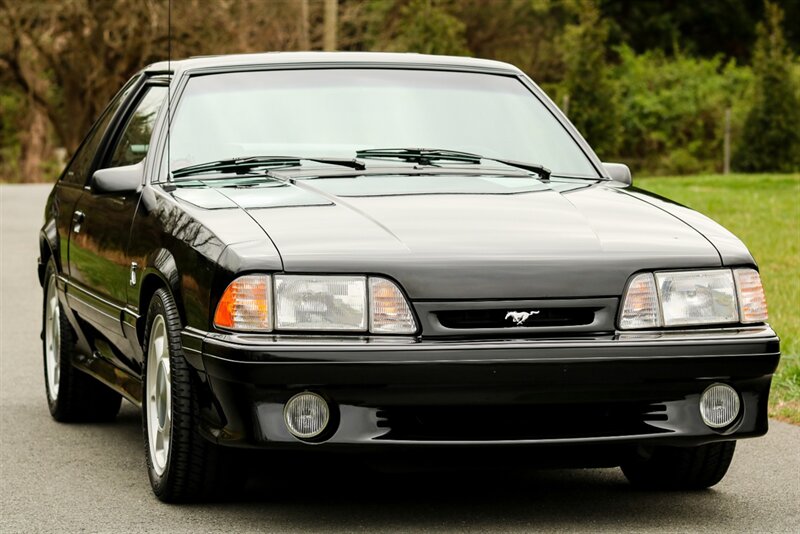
(732, 251)
(159, 271)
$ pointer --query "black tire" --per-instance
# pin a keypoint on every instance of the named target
(78, 397)
(193, 467)
(680, 468)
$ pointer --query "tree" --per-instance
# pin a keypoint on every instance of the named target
(771, 137)
(593, 100)
(703, 29)
(71, 57)
(422, 26)
(521, 32)
(69, 74)
(428, 29)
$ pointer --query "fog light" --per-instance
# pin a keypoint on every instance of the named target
(306, 415)
(719, 405)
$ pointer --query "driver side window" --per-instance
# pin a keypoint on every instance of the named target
(133, 143)
(78, 169)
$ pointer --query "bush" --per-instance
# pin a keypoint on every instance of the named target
(673, 110)
(593, 104)
(771, 137)
(426, 28)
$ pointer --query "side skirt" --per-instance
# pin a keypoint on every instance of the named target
(122, 382)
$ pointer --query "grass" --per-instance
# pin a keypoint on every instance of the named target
(763, 210)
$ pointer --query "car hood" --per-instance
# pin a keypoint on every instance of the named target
(473, 236)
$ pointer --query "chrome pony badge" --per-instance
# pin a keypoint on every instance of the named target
(519, 317)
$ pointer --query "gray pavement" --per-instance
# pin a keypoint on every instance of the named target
(74, 478)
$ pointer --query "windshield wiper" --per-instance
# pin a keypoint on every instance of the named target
(244, 165)
(426, 156)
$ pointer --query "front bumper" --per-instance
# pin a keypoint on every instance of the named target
(616, 389)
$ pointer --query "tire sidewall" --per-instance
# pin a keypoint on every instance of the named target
(157, 307)
(53, 405)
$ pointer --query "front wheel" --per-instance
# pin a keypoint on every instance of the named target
(71, 394)
(182, 465)
(680, 468)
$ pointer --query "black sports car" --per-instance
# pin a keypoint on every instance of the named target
(367, 251)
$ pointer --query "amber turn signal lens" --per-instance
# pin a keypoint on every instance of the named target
(246, 304)
(389, 310)
(640, 308)
(752, 301)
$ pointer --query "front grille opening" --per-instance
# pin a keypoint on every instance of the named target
(489, 423)
(507, 318)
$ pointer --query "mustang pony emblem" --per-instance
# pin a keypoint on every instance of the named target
(519, 317)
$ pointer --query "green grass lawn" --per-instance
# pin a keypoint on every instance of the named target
(763, 210)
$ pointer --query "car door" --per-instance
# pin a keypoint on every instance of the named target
(71, 184)
(99, 266)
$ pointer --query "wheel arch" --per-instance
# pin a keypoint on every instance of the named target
(46, 251)
(153, 280)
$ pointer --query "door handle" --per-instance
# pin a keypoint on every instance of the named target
(77, 219)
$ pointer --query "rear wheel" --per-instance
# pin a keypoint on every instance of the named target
(71, 394)
(680, 468)
(182, 465)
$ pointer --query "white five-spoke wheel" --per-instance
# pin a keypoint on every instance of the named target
(52, 340)
(72, 395)
(181, 463)
(159, 395)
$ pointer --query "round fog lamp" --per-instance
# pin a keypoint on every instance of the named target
(306, 415)
(719, 405)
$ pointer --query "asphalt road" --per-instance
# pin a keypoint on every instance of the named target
(69, 478)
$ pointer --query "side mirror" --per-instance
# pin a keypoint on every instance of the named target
(619, 172)
(118, 180)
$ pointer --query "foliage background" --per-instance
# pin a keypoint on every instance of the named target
(647, 82)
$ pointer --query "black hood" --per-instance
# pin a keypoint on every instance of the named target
(473, 236)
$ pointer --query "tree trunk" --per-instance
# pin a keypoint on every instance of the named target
(329, 28)
(34, 147)
(305, 37)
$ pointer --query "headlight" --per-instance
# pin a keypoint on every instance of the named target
(320, 303)
(697, 297)
(325, 303)
(688, 298)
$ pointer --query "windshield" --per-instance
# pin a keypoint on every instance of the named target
(337, 112)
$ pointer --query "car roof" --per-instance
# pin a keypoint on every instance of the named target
(344, 59)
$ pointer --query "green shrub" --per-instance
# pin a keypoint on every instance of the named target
(426, 28)
(771, 137)
(673, 110)
(593, 103)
